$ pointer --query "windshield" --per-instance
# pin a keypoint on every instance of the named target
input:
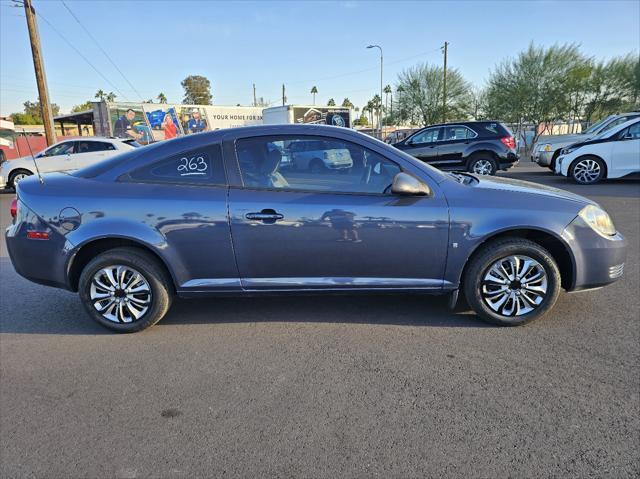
(593, 128)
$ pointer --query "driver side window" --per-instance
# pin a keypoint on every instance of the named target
(66, 148)
(313, 164)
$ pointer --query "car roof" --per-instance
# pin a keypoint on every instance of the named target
(462, 123)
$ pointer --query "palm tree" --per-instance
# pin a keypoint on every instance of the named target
(347, 103)
(331, 102)
(387, 90)
(100, 94)
(110, 97)
(370, 107)
(162, 98)
(314, 90)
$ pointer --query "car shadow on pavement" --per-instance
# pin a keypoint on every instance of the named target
(69, 318)
(388, 309)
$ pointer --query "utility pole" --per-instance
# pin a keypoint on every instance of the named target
(284, 97)
(255, 103)
(444, 89)
(41, 79)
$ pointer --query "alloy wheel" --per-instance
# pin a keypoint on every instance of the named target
(120, 294)
(482, 167)
(586, 171)
(514, 286)
(18, 177)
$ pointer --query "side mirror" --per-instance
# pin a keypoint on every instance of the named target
(628, 136)
(407, 185)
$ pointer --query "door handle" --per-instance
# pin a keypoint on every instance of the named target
(267, 215)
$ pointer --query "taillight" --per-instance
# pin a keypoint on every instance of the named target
(37, 235)
(14, 208)
(509, 142)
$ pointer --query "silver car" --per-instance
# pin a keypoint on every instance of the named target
(547, 149)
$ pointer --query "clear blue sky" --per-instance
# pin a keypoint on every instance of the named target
(157, 43)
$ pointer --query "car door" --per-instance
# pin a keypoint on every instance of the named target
(625, 152)
(299, 230)
(452, 144)
(91, 151)
(59, 157)
(423, 145)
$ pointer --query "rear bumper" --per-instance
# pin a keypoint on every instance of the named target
(40, 261)
(508, 161)
(598, 260)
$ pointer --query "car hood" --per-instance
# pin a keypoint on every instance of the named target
(561, 139)
(519, 186)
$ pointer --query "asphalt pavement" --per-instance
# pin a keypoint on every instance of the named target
(346, 386)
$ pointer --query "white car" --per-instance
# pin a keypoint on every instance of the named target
(65, 155)
(612, 154)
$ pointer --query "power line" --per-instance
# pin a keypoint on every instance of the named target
(101, 49)
(81, 55)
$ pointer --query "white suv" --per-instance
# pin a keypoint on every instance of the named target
(65, 155)
(318, 156)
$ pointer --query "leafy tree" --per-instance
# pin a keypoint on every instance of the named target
(32, 113)
(331, 102)
(347, 103)
(314, 91)
(161, 98)
(420, 95)
(197, 90)
(87, 105)
(534, 87)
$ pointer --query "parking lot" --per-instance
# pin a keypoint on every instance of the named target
(356, 386)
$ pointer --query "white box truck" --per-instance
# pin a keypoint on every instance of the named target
(318, 115)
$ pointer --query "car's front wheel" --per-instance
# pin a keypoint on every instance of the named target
(483, 166)
(587, 170)
(125, 290)
(512, 282)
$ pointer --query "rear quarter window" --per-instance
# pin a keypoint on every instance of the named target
(493, 129)
(199, 166)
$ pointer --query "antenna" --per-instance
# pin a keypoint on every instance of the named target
(33, 157)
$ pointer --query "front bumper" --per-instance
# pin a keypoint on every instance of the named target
(598, 260)
(543, 158)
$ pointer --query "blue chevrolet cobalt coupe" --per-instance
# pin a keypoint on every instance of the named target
(238, 212)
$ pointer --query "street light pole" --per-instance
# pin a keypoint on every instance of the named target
(380, 108)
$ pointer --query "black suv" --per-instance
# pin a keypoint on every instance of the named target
(481, 147)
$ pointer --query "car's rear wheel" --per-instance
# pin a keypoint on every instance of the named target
(17, 176)
(512, 282)
(483, 165)
(587, 170)
(125, 290)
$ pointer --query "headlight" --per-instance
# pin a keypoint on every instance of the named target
(569, 149)
(546, 147)
(598, 219)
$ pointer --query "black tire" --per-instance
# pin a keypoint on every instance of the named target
(317, 166)
(482, 159)
(145, 264)
(574, 170)
(12, 177)
(552, 165)
(486, 257)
